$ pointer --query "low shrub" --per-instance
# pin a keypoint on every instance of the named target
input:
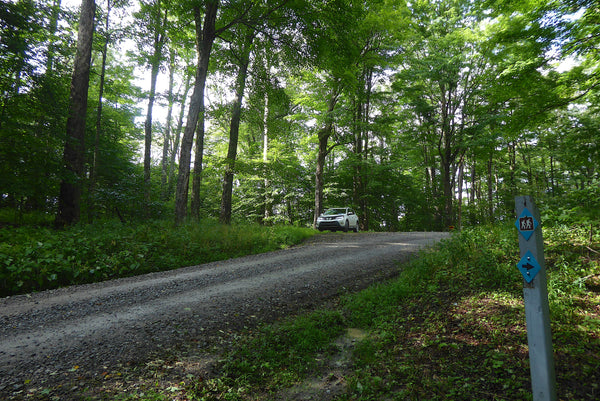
(39, 258)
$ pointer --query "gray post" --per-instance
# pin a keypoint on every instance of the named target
(535, 292)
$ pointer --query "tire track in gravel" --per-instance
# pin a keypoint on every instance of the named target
(43, 336)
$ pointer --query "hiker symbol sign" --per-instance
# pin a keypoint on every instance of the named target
(526, 224)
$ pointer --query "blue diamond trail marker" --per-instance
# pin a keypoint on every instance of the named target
(529, 267)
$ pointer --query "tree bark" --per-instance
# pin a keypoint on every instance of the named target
(447, 150)
(69, 201)
(175, 150)
(234, 131)
(167, 137)
(361, 146)
(205, 37)
(461, 172)
(95, 161)
(323, 135)
(159, 40)
(268, 212)
(490, 189)
(198, 159)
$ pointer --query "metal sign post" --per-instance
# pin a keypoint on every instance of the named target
(535, 292)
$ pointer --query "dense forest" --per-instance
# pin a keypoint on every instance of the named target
(420, 114)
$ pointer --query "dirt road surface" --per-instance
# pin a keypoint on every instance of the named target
(52, 336)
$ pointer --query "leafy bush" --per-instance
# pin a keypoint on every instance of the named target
(478, 258)
(35, 259)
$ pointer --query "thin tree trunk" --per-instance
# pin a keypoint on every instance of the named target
(490, 184)
(167, 137)
(447, 185)
(178, 130)
(512, 164)
(362, 148)
(234, 131)
(473, 182)
(267, 197)
(323, 135)
(198, 158)
(461, 172)
(552, 176)
(96, 157)
(159, 40)
(205, 38)
(69, 200)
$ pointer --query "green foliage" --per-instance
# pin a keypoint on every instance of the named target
(460, 308)
(34, 85)
(430, 96)
(279, 356)
(35, 259)
(457, 263)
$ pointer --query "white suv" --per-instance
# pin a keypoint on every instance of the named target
(338, 218)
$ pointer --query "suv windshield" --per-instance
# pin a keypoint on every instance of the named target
(330, 212)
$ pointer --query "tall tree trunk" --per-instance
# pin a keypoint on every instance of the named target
(490, 184)
(323, 135)
(175, 150)
(167, 137)
(159, 40)
(461, 172)
(268, 212)
(552, 183)
(447, 217)
(361, 147)
(473, 182)
(234, 130)
(198, 158)
(205, 37)
(69, 207)
(96, 157)
(512, 167)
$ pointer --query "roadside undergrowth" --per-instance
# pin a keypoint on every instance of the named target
(458, 330)
(40, 258)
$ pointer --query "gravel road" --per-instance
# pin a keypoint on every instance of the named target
(51, 336)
